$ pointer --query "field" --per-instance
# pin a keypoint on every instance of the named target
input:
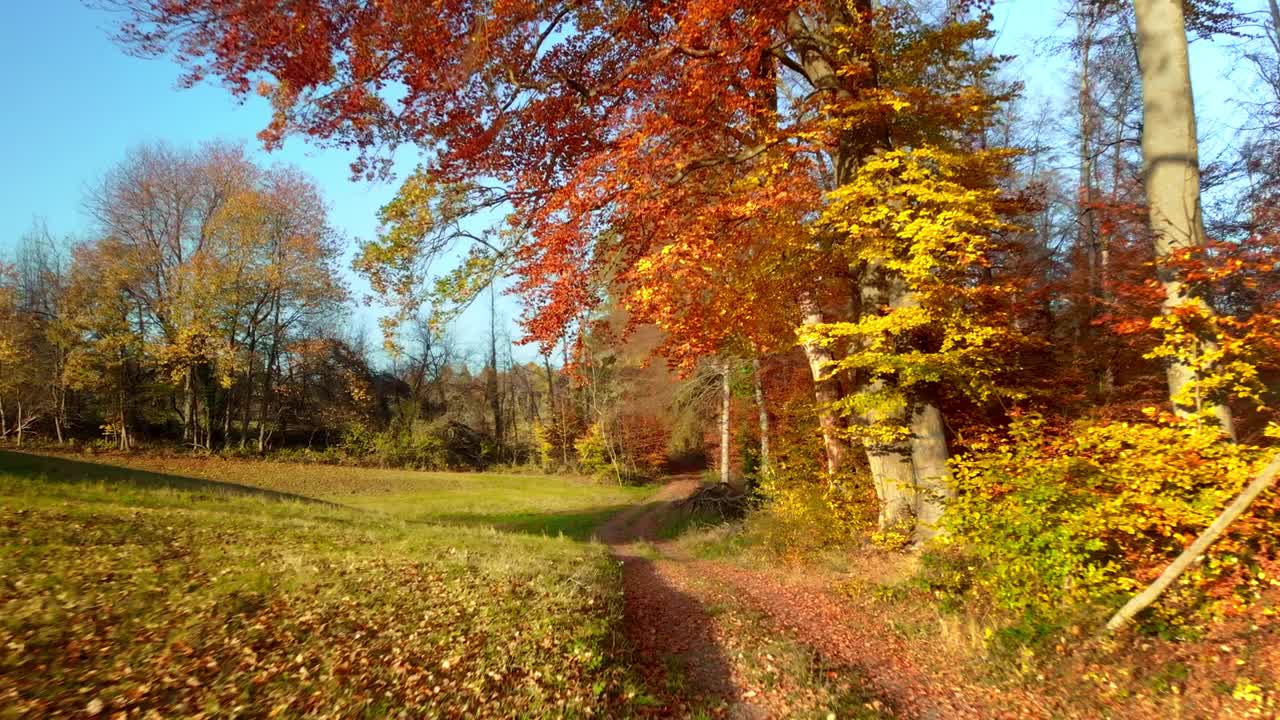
(220, 588)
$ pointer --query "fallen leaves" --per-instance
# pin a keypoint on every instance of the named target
(159, 602)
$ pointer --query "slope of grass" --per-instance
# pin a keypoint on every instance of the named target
(230, 589)
(534, 504)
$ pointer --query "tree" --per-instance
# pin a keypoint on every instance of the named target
(225, 261)
(588, 124)
(105, 349)
(930, 319)
(1171, 174)
(14, 350)
(35, 288)
(762, 413)
(725, 399)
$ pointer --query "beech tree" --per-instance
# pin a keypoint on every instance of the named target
(593, 121)
(205, 270)
(1171, 175)
(101, 322)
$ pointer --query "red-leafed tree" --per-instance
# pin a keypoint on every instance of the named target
(676, 155)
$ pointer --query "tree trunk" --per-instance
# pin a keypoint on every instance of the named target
(929, 455)
(189, 409)
(910, 476)
(554, 414)
(57, 396)
(1088, 238)
(826, 389)
(1274, 34)
(21, 424)
(892, 466)
(894, 479)
(1171, 172)
(124, 425)
(247, 404)
(724, 424)
(491, 378)
(763, 411)
(273, 357)
(227, 397)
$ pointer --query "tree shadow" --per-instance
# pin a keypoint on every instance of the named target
(670, 632)
(672, 640)
(64, 471)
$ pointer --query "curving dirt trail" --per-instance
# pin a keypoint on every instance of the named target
(668, 626)
(701, 629)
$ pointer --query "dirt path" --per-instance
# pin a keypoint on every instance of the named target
(704, 651)
(668, 627)
(709, 631)
(643, 522)
(914, 680)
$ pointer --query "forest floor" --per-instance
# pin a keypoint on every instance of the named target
(750, 637)
(202, 587)
(134, 586)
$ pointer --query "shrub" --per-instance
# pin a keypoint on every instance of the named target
(357, 441)
(593, 454)
(409, 449)
(543, 446)
(1056, 527)
(797, 517)
(421, 448)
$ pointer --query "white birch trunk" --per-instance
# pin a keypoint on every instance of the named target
(724, 424)
(763, 411)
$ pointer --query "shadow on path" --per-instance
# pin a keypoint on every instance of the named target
(672, 633)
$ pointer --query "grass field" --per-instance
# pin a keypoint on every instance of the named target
(227, 588)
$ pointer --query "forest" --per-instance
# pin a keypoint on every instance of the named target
(808, 288)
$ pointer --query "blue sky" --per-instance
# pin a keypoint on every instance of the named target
(75, 103)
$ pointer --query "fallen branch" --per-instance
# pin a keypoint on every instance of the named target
(1237, 507)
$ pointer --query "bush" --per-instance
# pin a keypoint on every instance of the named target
(1062, 527)
(409, 449)
(358, 441)
(418, 448)
(593, 454)
(797, 517)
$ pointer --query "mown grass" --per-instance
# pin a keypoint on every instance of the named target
(235, 590)
(526, 503)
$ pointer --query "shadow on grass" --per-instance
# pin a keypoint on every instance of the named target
(64, 471)
(578, 525)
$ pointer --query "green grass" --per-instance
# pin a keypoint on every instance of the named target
(531, 504)
(190, 587)
(538, 505)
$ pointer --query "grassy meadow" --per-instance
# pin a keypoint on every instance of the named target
(221, 588)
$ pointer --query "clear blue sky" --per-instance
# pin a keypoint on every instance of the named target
(75, 103)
